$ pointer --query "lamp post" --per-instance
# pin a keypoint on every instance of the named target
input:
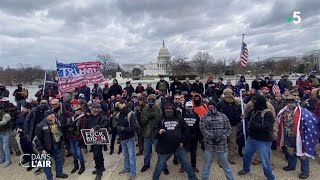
(307, 67)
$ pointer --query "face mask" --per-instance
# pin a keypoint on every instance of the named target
(189, 111)
(197, 81)
(213, 110)
(151, 102)
(229, 99)
(169, 113)
(43, 107)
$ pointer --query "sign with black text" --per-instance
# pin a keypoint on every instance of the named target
(100, 136)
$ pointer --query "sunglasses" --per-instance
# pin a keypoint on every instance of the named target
(43, 103)
(177, 98)
(78, 109)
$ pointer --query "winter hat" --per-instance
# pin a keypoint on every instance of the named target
(27, 106)
(168, 105)
(122, 101)
(227, 90)
(48, 112)
(54, 102)
(212, 103)
(189, 104)
(96, 106)
(152, 96)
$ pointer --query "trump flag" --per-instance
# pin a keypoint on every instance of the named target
(75, 75)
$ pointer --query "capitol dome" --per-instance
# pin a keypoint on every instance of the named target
(164, 52)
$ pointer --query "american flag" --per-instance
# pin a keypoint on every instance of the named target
(307, 131)
(275, 89)
(244, 55)
(75, 75)
(310, 132)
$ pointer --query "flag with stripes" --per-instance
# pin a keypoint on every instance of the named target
(76, 75)
(275, 89)
(244, 55)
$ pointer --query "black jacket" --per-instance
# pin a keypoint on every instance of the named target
(260, 126)
(192, 120)
(231, 110)
(34, 117)
(187, 87)
(177, 132)
(258, 85)
(129, 129)
(198, 87)
(130, 90)
(98, 121)
(175, 87)
(115, 89)
(44, 137)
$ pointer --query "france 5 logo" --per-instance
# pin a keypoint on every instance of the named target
(296, 18)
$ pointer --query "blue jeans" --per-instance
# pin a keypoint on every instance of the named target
(222, 158)
(76, 150)
(182, 156)
(20, 103)
(263, 148)
(292, 158)
(55, 153)
(129, 149)
(148, 142)
(4, 146)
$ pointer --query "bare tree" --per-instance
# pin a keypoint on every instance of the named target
(108, 64)
(200, 63)
(180, 66)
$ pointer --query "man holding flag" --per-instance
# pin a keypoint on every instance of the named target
(299, 131)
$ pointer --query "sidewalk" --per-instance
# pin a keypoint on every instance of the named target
(110, 163)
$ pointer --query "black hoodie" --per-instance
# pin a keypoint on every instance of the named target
(260, 120)
(176, 132)
(115, 89)
(192, 120)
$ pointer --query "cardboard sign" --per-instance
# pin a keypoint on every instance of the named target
(100, 136)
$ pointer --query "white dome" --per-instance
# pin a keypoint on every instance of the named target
(164, 52)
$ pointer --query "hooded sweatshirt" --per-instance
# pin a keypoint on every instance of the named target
(261, 120)
(192, 120)
(198, 107)
(176, 132)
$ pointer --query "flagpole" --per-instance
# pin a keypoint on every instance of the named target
(241, 49)
(44, 84)
(243, 121)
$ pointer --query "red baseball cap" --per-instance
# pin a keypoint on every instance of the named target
(74, 101)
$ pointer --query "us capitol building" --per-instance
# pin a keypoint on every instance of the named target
(153, 69)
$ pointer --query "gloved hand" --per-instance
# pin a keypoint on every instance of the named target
(120, 128)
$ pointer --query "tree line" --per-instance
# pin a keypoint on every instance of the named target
(201, 64)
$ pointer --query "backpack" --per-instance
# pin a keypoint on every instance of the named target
(128, 117)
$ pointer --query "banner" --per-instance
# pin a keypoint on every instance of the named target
(100, 136)
(75, 75)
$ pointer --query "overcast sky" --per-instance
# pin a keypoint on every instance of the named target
(38, 31)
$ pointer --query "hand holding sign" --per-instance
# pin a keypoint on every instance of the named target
(91, 136)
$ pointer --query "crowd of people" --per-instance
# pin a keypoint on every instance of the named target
(225, 120)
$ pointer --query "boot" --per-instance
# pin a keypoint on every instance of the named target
(75, 167)
(82, 168)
